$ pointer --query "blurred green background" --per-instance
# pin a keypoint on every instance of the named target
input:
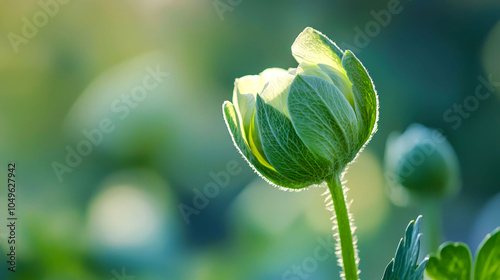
(72, 65)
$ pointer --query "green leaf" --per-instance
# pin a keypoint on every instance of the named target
(487, 265)
(365, 96)
(453, 261)
(231, 118)
(324, 119)
(404, 265)
(285, 150)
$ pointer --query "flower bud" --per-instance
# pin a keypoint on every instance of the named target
(300, 126)
(422, 163)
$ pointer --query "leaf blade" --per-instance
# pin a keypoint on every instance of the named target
(453, 261)
(404, 265)
(487, 265)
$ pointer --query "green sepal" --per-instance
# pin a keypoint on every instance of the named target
(284, 149)
(323, 119)
(365, 96)
(231, 119)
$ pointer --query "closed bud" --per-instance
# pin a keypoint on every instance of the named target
(420, 163)
(300, 126)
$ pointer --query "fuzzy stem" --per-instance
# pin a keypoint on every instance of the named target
(344, 228)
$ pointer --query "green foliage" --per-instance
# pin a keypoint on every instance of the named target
(404, 265)
(487, 265)
(454, 261)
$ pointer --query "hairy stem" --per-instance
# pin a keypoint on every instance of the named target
(344, 228)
